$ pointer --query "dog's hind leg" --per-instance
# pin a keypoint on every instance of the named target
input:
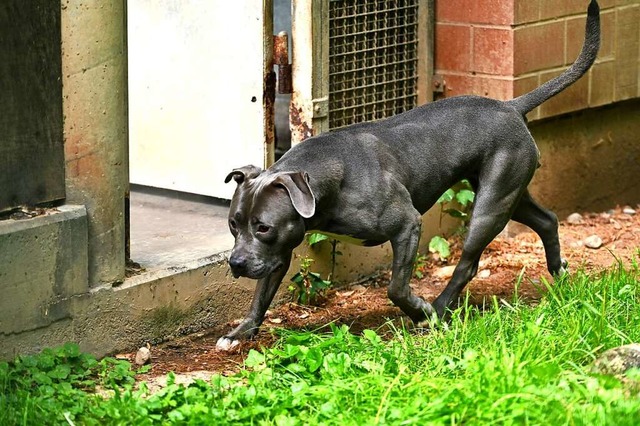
(491, 212)
(545, 223)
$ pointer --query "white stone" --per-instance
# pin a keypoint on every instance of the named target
(593, 242)
(485, 273)
(445, 272)
(574, 218)
(143, 356)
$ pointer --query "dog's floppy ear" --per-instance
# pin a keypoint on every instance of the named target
(297, 186)
(242, 173)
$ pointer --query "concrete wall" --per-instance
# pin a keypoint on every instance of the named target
(147, 308)
(95, 127)
(590, 160)
(43, 264)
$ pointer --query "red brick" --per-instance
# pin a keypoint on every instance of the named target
(574, 98)
(458, 85)
(524, 85)
(574, 7)
(550, 9)
(607, 33)
(526, 11)
(453, 47)
(627, 53)
(495, 12)
(625, 2)
(603, 77)
(575, 39)
(575, 36)
(538, 47)
(493, 88)
(453, 11)
(493, 51)
(604, 4)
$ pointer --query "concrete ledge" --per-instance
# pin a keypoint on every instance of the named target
(147, 308)
(43, 262)
(158, 305)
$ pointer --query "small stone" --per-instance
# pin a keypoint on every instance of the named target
(359, 288)
(445, 272)
(143, 356)
(485, 273)
(628, 210)
(574, 219)
(593, 242)
(618, 361)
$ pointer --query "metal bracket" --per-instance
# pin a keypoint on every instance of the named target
(320, 107)
(281, 59)
(438, 83)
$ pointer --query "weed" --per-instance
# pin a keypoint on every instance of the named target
(56, 382)
(316, 238)
(463, 194)
(307, 286)
(419, 265)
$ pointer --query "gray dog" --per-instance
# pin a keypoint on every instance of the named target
(373, 181)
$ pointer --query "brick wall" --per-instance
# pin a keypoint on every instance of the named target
(504, 48)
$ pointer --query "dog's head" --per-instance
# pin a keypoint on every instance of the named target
(266, 218)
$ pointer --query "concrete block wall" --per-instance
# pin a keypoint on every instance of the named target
(43, 265)
(502, 49)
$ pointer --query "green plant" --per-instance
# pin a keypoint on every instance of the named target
(307, 285)
(463, 195)
(506, 363)
(316, 238)
(419, 265)
(56, 384)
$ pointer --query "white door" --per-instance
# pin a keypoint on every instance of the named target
(195, 92)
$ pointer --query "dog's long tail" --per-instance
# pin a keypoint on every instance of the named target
(525, 103)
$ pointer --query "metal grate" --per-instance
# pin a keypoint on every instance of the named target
(373, 59)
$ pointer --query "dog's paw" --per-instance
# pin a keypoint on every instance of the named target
(431, 317)
(225, 344)
(564, 268)
(430, 322)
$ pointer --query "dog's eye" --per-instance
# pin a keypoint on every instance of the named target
(263, 229)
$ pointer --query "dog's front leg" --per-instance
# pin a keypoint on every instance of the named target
(405, 248)
(266, 289)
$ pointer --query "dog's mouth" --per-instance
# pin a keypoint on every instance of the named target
(257, 274)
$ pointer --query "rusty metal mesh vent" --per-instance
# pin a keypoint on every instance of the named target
(373, 59)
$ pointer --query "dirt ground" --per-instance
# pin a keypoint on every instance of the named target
(366, 305)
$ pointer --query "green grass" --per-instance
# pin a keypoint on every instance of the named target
(510, 363)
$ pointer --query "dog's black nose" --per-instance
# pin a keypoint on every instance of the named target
(237, 264)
